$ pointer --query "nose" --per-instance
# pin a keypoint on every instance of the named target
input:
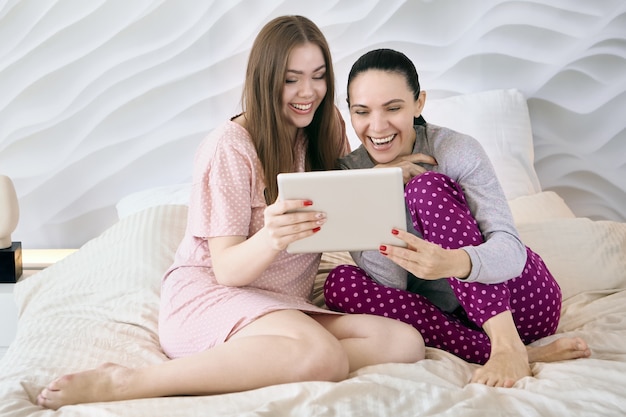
(378, 122)
(306, 88)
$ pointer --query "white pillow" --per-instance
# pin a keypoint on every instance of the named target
(159, 196)
(541, 206)
(500, 121)
(582, 254)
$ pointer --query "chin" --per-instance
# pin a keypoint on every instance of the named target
(380, 158)
(302, 121)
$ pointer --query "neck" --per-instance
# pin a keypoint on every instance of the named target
(410, 145)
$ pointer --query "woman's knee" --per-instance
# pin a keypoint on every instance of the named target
(439, 210)
(430, 187)
(342, 273)
(409, 344)
(400, 342)
(337, 283)
(304, 350)
(429, 181)
(322, 358)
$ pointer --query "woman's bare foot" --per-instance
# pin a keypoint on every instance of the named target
(504, 367)
(561, 349)
(108, 382)
(508, 360)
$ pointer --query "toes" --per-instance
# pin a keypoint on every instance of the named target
(42, 399)
(508, 383)
(494, 381)
(582, 346)
(477, 377)
(495, 378)
(580, 349)
(483, 378)
(582, 354)
(55, 385)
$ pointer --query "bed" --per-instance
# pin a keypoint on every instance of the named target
(100, 304)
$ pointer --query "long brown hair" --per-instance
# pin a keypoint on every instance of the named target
(262, 101)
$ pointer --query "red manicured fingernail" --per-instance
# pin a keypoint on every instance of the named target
(308, 203)
(383, 248)
(317, 229)
(394, 231)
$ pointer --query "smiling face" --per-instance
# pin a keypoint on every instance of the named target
(382, 109)
(305, 84)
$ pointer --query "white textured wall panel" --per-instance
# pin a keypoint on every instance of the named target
(102, 98)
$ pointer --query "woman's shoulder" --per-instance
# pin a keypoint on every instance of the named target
(233, 129)
(358, 158)
(457, 153)
(444, 139)
(442, 132)
(229, 134)
(226, 140)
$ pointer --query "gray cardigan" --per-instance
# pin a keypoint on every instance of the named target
(501, 257)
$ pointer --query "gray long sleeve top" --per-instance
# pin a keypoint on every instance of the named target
(501, 257)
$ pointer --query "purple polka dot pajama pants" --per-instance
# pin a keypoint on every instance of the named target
(439, 211)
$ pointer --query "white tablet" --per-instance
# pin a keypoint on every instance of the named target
(361, 205)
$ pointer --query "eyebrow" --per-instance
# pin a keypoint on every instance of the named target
(392, 101)
(321, 67)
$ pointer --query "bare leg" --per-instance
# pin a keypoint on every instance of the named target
(370, 340)
(295, 347)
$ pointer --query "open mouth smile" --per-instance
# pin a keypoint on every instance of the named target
(382, 141)
(302, 107)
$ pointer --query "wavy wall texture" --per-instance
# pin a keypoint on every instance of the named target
(101, 98)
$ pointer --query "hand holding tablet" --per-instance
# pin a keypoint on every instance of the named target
(361, 206)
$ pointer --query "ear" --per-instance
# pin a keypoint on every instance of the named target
(419, 104)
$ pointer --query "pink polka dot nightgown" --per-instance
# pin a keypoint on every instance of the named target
(227, 199)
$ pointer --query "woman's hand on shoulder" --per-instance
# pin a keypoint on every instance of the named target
(410, 165)
(286, 222)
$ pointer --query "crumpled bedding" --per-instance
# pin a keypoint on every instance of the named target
(101, 303)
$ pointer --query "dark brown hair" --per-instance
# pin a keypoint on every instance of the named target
(390, 61)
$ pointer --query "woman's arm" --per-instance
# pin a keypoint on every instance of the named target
(238, 261)
(502, 256)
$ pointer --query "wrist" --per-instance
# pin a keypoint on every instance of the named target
(268, 242)
(463, 264)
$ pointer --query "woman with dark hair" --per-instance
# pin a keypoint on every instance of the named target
(233, 294)
(465, 281)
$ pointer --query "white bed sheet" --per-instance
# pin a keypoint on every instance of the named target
(101, 304)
